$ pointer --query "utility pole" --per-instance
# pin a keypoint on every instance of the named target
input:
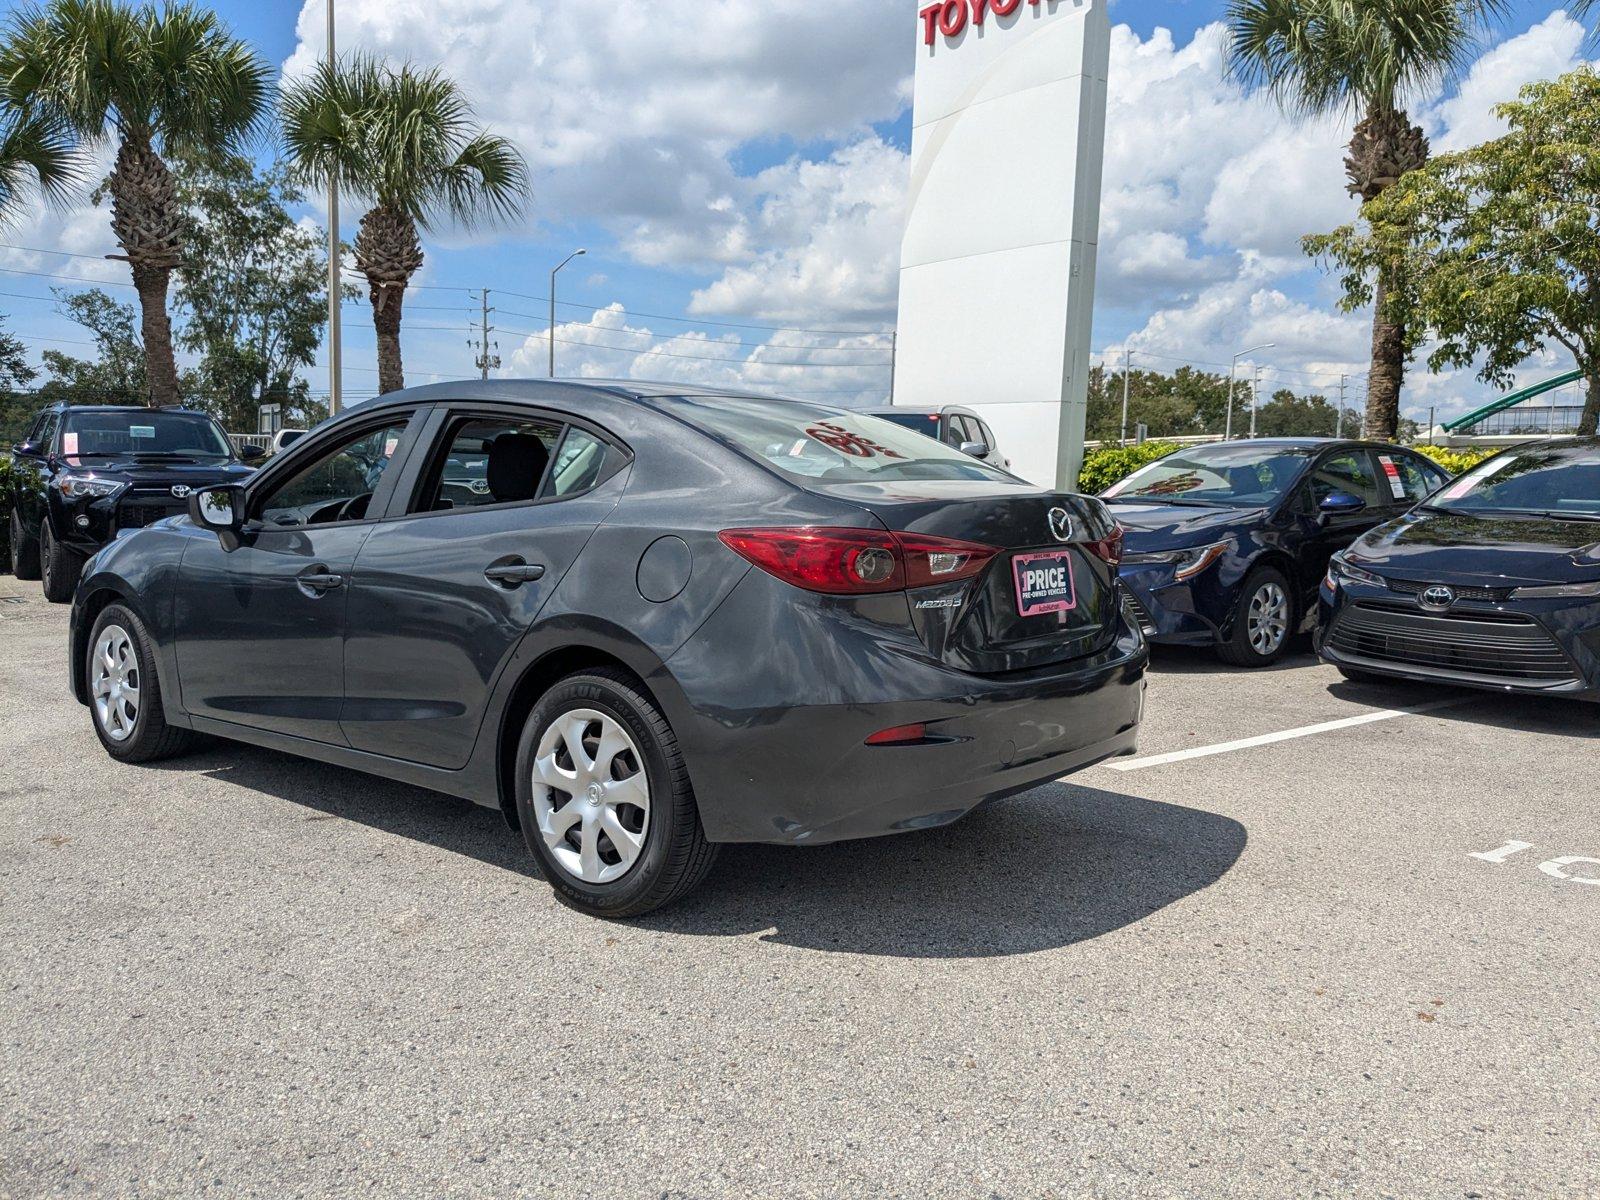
(1127, 361)
(335, 261)
(894, 360)
(485, 359)
(1338, 420)
(1255, 399)
(1430, 424)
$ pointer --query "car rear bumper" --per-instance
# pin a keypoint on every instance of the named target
(803, 773)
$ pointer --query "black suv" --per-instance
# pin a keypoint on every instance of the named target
(85, 472)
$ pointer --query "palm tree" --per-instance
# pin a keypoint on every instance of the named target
(1362, 57)
(36, 155)
(154, 81)
(405, 140)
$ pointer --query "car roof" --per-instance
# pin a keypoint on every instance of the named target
(68, 406)
(532, 391)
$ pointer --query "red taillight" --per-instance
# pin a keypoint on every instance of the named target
(1108, 548)
(899, 735)
(847, 562)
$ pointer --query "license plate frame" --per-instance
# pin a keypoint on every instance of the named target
(1042, 595)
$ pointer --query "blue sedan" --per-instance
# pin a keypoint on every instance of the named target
(1226, 543)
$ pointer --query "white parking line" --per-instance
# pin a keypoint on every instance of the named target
(1267, 739)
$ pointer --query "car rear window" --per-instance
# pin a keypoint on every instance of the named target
(830, 445)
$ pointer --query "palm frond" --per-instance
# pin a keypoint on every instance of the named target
(37, 155)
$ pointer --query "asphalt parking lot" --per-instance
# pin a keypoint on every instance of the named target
(1356, 961)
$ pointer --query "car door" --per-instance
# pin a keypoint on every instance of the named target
(1355, 471)
(499, 508)
(35, 472)
(259, 628)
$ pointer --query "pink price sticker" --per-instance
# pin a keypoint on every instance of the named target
(69, 444)
(390, 446)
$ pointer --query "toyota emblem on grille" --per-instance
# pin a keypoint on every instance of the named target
(181, 490)
(1437, 598)
(1061, 524)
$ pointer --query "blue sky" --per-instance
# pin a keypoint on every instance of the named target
(738, 166)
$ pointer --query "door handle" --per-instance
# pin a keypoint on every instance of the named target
(514, 574)
(320, 581)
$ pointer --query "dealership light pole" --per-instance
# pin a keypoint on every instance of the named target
(1127, 363)
(335, 282)
(559, 265)
(1233, 374)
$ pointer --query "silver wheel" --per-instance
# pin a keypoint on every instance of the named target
(116, 683)
(1267, 621)
(590, 795)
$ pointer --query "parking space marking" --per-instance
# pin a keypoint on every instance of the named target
(1267, 739)
(1556, 868)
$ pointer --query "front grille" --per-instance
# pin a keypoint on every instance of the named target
(1410, 587)
(1493, 645)
(139, 509)
(1137, 613)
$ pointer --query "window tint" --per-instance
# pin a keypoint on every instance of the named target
(47, 431)
(37, 428)
(578, 464)
(490, 460)
(338, 486)
(1352, 472)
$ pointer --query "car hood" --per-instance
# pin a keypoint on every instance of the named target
(1178, 526)
(162, 474)
(1459, 548)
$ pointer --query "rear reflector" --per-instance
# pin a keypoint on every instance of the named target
(848, 562)
(899, 735)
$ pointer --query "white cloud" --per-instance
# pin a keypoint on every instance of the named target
(1550, 48)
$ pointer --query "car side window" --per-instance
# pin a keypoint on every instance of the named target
(954, 433)
(986, 436)
(1352, 472)
(338, 485)
(1420, 480)
(489, 460)
(578, 463)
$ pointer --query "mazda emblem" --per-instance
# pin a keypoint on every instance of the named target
(181, 490)
(1061, 524)
(1437, 598)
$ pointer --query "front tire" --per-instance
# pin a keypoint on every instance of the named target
(124, 692)
(60, 566)
(1262, 625)
(24, 550)
(604, 800)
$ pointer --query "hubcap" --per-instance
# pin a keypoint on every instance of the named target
(116, 683)
(590, 795)
(1268, 620)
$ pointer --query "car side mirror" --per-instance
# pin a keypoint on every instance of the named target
(221, 510)
(1341, 504)
(251, 454)
(28, 449)
(975, 449)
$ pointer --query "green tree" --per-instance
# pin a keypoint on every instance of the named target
(1289, 415)
(17, 404)
(156, 81)
(1497, 248)
(1363, 58)
(37, 156)
(1183, 403)
(405, 140)
(251, 297)
(117, 374)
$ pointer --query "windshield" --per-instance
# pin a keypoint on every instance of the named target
(1557, 481)
(143, 434)
(1243, 474)
(826, 444)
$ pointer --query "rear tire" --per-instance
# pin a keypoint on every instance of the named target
(125, 693)
(60, 566)
(24, 551)
(604, 800)
(1265, 619)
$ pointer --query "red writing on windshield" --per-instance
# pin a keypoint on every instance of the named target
(854, 444)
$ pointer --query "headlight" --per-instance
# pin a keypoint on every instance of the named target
(75, 487)
(1339, 567)
(1558, 591)
(1186, 563)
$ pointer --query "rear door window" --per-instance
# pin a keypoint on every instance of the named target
(490, 460)
(1354, 472)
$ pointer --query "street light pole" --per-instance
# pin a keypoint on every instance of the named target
(1127, 361)
(335, 281)
(1255, 399)
(1233, 375)
(559, 265)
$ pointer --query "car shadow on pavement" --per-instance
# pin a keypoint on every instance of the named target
(1052, 867)
(1203, 660)
(1513, 713)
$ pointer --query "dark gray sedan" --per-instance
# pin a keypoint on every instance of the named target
(640, 621)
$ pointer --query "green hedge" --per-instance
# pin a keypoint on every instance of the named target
(7, 498)
(1108, 464)
(1457, 462)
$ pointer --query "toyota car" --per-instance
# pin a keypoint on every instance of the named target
(90, 471)
(640, 621)
(1493, 583)
(1227, 543)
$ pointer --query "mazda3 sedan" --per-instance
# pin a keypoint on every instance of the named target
(1493, 583)
(640, 621)
(1227, 543)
